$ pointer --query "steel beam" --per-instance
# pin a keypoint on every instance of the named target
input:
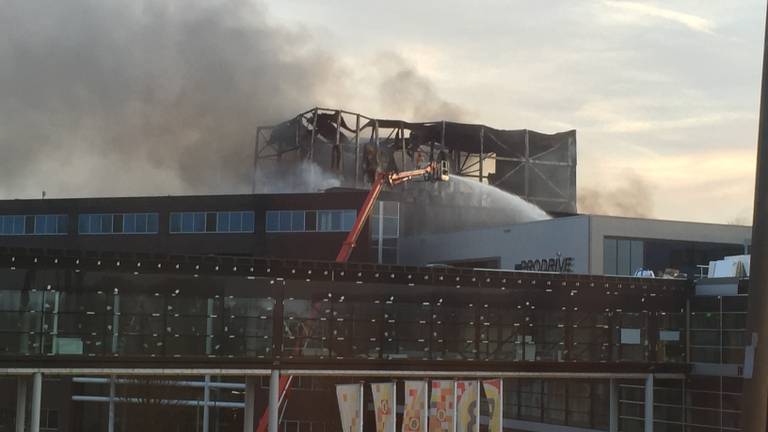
(37, 397)
(274, 400)
(21, 403)
(206, 401)
(648, 417)
(111, 416)
(249, 417)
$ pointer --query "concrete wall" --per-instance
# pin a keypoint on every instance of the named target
(512, 244)
(611, 226)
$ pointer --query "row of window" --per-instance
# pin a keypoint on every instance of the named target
(33, 224)
(117, 223)
(310, 220)
(186, 222)
(212, 222)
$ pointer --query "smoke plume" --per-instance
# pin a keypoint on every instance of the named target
(632, 198)
(413, 94)
(151, 97)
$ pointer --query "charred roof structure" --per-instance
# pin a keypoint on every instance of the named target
(540, 168)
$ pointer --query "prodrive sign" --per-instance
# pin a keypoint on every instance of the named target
(559, 264)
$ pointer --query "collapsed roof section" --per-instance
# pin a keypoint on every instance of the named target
(350, 146)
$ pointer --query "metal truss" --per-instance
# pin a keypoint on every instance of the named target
(538, 167)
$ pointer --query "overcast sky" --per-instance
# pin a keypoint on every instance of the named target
(163, 96)
(664, 92)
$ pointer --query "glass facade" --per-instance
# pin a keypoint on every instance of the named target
(211, 222)
(33, 224)
(718, 329)
(625, 256)
(63, 312)
(107, 314)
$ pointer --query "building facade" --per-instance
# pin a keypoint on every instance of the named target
(298, 226)
(584, 244)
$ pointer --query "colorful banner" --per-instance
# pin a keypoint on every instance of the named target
(350, 397)
(493, 394)
(442, 406)
(384, 405)
(468, 406)
(415, 414)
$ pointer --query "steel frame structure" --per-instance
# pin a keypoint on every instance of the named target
(539, 167)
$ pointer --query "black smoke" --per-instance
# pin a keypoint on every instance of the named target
(149, 97)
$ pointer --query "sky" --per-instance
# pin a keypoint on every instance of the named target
(664, 95)
(162, 97)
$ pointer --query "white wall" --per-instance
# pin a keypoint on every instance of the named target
(527, 241)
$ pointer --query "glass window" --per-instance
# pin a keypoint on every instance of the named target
(297, 220)
(40, 224)
(235, 221)
(222, 222)
(199, 222)
(623, 257)
(273, 221)
(153, 223)
(33, 224)
(348, 220)
(336, 220)
(609, 256)
(175, 222)
(323, 220)
(129, 223)
(310, 221)
(635, 255)
(141, 223)
(51, 224)
(83, 224)
(187, 222)
(248, 218)
(62, 224)
(285, 221)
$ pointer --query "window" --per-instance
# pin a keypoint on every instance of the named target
(622, 256)
(221, 222)
(385, 231)
(310, 220)
(49, 420)
(335, 220)
(118, 223)
(33, 225)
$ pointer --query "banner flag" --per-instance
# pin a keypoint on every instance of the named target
(442, 406)
(384, 406)
(467, 406)
(415, 414)
(494, 394)
(350, 397)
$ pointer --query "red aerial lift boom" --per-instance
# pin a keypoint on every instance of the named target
(435, 171)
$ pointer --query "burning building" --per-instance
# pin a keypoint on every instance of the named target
(349, 147)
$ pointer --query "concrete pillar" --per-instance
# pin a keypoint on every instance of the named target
(613, 410)
(111, 416)
(274, 400)
(21, 403)
(250, 404)
(206, 400)
(37, 396)
(649, 403)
